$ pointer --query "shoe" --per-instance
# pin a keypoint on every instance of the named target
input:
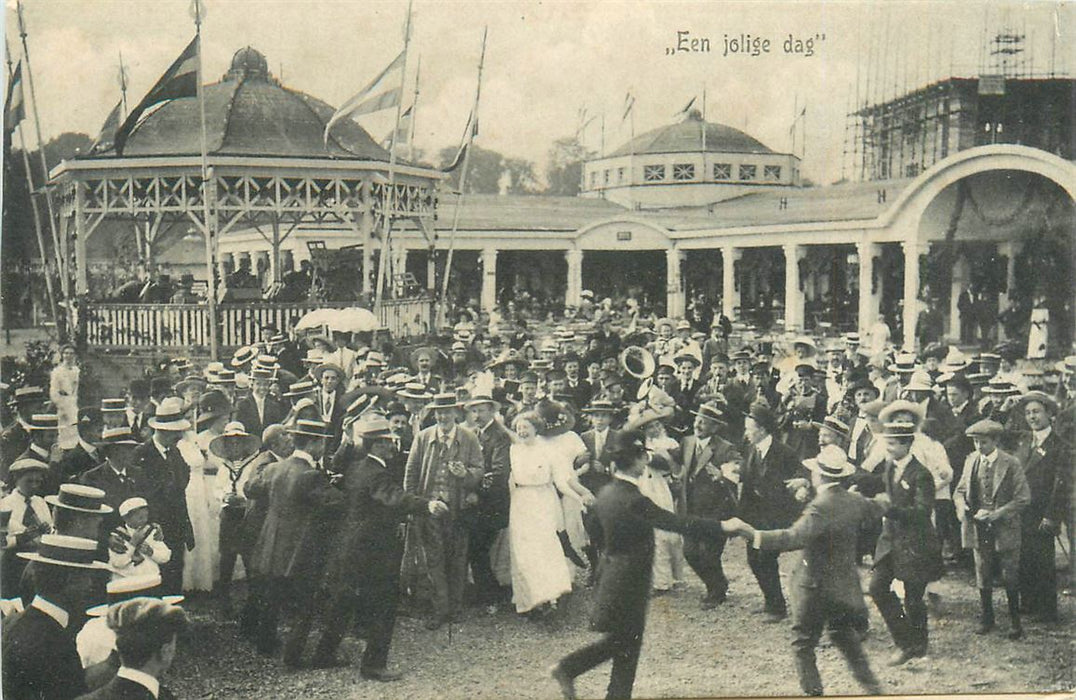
(904, 656)
(437, 622)
(381, 674)
(329, 662)
(1016, 632)
(566, 683)
(774, 616)
(710, 602)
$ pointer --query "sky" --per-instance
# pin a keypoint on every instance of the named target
(546, 61)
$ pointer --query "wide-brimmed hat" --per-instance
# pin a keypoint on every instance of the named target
(374, 428)
(324, 367)
(833, 424)
(319, 338)
(712, 410)
(687, 356)
(357, 404)
(235, 444)
(804, 340)
(831, 462)
(903, 363)
(312, 427)
(556, 418)
(212, 405)
(189, 381)
(480, 399)
(919, 381)
(26, 464)
(683, 325)
(665, 322)
(66, 550)
(985, 428)
(84, 499)
(113, 405)
(444, 400)
(169, 415)
(1000, 387)
(1042, 397)
(43, 421)
(129, 587)
(901, 406)
(762, 414)
(132, 504)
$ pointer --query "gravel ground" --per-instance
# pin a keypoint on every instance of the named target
(687, 653)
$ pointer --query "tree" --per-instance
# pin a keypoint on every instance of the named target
(565, 170)
(490, 172)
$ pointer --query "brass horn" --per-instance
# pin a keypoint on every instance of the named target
(638, 362)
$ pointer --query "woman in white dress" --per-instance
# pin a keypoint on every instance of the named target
(63, 392)
(665, 462)
(201, 566)
(540, 573)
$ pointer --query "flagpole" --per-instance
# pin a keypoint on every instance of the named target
(390, 201)
(61, 264)
(704, 127)
(36, 212)
(207, 192)
(123, 88)
(414, 113)
(463, 181)
(603, 135)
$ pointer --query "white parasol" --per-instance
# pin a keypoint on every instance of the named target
(351, 320)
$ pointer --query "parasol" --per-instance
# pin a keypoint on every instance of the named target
(351, 320)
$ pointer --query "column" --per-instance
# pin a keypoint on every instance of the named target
(225, 263)
(1009, 250)
(489, 279)
(912, 250)
(573, 295)
(674, 285)
(961, 278)
(793, 296)
(869, 299)
(730, 294)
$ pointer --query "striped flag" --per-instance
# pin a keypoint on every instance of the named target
(403, 132)
(629, 103)
(382, 93)
(180, 80)
(14, 103)
(469, 134)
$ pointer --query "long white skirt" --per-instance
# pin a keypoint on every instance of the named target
(539, 570)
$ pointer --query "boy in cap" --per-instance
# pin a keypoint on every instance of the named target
(137, 547)
(30, 518)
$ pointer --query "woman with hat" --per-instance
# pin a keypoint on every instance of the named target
(566, 447)
(30, 518)
(63, 392)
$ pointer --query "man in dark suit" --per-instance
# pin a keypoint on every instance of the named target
(291, 548)
(628, 520)
(958, 446)
(704, 492)
(261, 409)
(766, 502)
(491, 514)
(16, 438)
(165, 474)
(330, 400)
(147, 630)
(580, 389)
(595, 468)
(908, 547)
(825, 583)
(42, 447)
(116, 476)
(363, 571)
(40, 659)
(139, 408)
(1047, 461)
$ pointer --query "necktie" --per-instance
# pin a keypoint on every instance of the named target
(29, 517)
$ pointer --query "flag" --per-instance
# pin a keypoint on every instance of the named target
(803, 113)
(106, 139)
(629, 102)
(469, 134)
(374, 97)
(403, 132)
(14, 103)
(687, 108)
(180, 80)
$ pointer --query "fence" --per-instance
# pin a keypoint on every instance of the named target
(150, 326)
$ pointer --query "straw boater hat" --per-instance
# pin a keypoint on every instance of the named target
(169, 415)
(445, 400)
(189, 381)
(83, 499)
(26, 465)
(311, 428)
(235, 444)
(1000, 387)
(301, 388)
(712, 410)
(480, 399)
(376, 427)
(358, 404)
(834, 425)
(904, 363)
(600, 406)
(130, 587)
(43, 421)
(1045, 399)
(28, 394)
(65, 550)
(415, 391)
(831, 462)
(901, 406)
(113, 405)
(904, 429)
(224, 376)
(920, 381)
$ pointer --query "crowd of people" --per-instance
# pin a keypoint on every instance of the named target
(346, 479)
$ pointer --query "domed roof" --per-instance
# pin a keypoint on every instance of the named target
(686, 137)
(248, 113)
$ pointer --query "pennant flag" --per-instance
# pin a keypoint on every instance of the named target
(376, 96)
(403, 133)
(106, 139)
(14, 103)
(629, 103)
(469, 134)
(180, 80)
(687, 108)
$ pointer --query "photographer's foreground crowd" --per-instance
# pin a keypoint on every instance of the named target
(345, 481)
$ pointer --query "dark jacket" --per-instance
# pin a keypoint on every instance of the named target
(366, 550)
(1048, 470)
(246, 412)
(164, 484)
(826, 532)
(257, 507)
(627, 520)
(907, 532)
(493, 497)
(595, 479)
(292, 540)
(123, 689)
(958, 445)
(701, 492)
(765, 501)
(117, 489)
(40, 660)
(13, 441)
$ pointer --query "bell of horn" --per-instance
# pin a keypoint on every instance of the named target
(637, 361)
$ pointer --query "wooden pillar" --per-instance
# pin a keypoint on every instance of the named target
(868, 298)
(793, 295)
(730, 293)
(1010, 250)
(489, 279)
(674, 284)
(274, 257)
(573, 295)
(961, 279)
(912, 250)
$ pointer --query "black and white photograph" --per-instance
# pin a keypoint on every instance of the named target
(537, 349)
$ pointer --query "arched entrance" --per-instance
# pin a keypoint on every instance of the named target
(619, 274)
(629, 257)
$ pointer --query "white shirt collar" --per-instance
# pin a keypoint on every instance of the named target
(624, 477)
(491, 422)
(449, 436)
(160, 447)
(957, 410)
(903, 462)
(141, 678)
(703, 442)
(1041, 435)
(985, 460)
(377, 459)
(764, 445)
(52, 610)
(306, 457)
(112, 466)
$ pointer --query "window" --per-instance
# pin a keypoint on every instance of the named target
(772, 172)
(748, 172)
(594, 178)
(684, 171)
(722, 171)
(620, 174)
(653, 173)
(608, 174)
